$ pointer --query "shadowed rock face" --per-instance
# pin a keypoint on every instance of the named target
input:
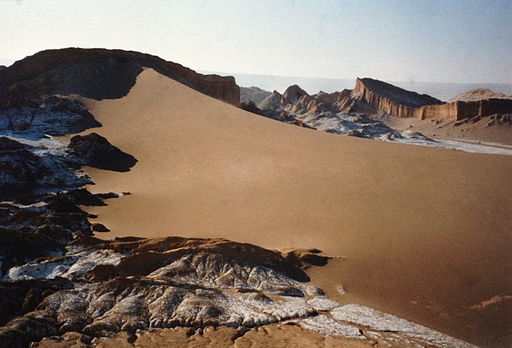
(25, 171)
(27, 233)
(46, 116)
(98, 74)
(95, 151)
(251, 107)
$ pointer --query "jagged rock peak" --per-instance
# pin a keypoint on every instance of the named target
(393, 93)
(293, 94)
(100, 74)
(254, 94)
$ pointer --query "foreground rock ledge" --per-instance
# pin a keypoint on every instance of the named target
(172, 289)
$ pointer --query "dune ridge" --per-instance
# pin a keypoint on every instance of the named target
(418, 222)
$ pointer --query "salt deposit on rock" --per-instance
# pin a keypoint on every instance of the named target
(142, 284)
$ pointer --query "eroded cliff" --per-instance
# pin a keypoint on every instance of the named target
(401, 103)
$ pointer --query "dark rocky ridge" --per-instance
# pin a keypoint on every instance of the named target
(98, 74)
(24, 172)
(42, 116)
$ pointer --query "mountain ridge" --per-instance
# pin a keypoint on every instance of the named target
(99, 74)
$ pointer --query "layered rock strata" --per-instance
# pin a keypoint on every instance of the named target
(398, 102)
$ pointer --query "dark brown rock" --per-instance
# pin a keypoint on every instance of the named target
(99, 228)
(95, 151)
(98, 74)
(251, 107)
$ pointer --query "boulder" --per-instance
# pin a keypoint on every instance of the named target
(95, 151)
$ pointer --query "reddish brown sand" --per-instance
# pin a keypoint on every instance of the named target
(273, 335)
(426, 232)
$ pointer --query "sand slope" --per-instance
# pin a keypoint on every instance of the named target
(426, 232)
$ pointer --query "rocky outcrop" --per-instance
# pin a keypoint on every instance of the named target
(46, 116)
(398, 102)
(383, 95)
(390, 99)
(253, 94)
(101, 288)
(336, 112)
(39, 230)
(251, 107)
(95, 151)
(26, 169)
(479, 94)
(296, 100)
(293, 94)
(98, 74)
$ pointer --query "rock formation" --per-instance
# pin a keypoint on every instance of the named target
(46, 116)
(28, 169)
(101, 288)
(479, 94)
(254, 94)
(398, 102)
(251, 107)
(389, 99)
(95, 151)
(98, 74)
(333, 113)
(371, 96)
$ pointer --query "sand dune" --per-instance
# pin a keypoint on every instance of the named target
(425, 232)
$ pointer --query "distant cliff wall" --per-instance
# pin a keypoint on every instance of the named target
(401, 103)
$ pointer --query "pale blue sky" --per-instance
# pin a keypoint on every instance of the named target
(416, 40)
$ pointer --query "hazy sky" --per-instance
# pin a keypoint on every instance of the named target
(431, 40)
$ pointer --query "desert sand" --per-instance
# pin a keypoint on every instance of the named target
(421, 233)
(272, 335)
(474, 132)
